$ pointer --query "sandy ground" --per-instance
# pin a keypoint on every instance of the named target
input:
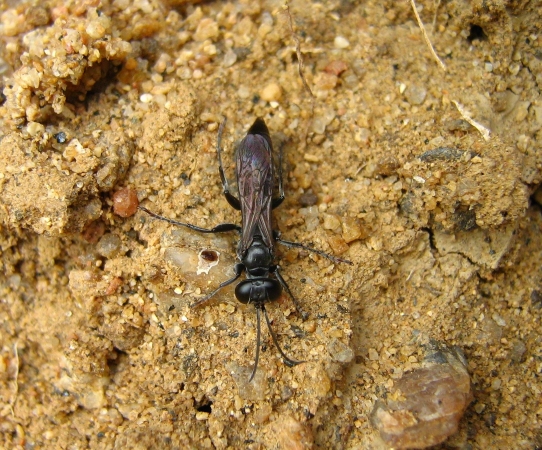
(424, 177)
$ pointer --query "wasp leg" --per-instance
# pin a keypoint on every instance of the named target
(304, 315)
(232, 200)
(291, 244)
(220, 228)
(277, 201)
(238, 271)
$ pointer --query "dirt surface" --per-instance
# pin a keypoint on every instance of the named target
(388, 166)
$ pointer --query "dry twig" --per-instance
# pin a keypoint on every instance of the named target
(425, 37)
(484, 131)
(300, 67)
(295, 37)
(14, 399)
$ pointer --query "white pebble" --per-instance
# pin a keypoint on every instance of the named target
(341, 42)
(146, 98)
(229, 58)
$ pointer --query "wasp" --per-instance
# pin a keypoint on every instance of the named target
(263, 283)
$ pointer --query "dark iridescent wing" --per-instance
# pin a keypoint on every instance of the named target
(254, 165)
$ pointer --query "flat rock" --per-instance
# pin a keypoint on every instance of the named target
(483, 247)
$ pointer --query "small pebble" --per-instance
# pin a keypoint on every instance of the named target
(207, 29)
(479, 408)
(34, 129)
(308, 199)
(386, 166)
(109, 246)
(518, 351)
(262, 414)
(418, 179)
(96, 29)
(37, 16)
(125, 202)
(415, 95)
(325, 81)
(341, 42)
(310, 214)
(113, 286)
(146, 98)
(331, 222)
(200, 415)
(337, 244)
(362, 135)
(352, 230)
(335, 67)
(340, 352)
(230, 58)
(271, 92)
(311, 158)
(243, 92)
(60, 137)
(93, 231)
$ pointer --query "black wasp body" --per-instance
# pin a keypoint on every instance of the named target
(256, 249)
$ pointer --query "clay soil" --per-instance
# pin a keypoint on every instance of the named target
(424, 176)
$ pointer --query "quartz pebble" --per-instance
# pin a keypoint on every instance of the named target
(310, 215)
(331, 222)
(230, 57)
(415, 95)
(518, 351)
(340, 352)
(109, 246)
(352, 229)
(425, 406)
(341, 42)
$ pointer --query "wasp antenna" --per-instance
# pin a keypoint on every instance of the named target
(220, 132)
(288, 361)
(258, 335)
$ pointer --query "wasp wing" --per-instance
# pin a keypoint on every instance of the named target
(254, 166)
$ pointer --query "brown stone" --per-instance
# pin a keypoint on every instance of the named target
(425, 406)
(125, 202)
